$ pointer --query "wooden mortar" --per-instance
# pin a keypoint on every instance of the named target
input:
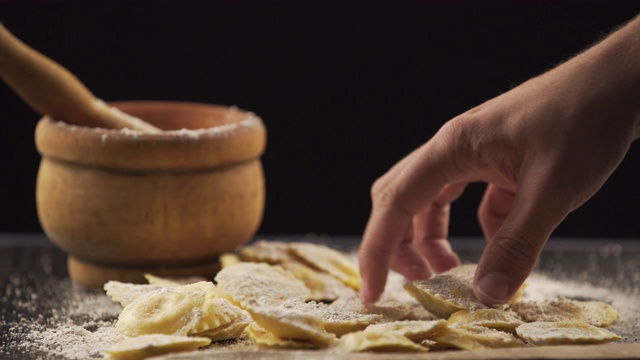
(123, 203)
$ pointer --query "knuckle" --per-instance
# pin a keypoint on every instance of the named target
(369, 250)
(377, 187)
(383, 197)
(514, 251)
(460, 135)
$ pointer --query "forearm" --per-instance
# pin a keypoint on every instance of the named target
(608, 74)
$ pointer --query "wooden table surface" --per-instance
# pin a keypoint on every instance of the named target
(31, 262)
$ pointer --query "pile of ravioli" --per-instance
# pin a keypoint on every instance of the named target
(304, 296)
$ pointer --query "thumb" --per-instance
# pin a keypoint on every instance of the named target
(511, 254)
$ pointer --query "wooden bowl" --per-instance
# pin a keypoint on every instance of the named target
(123, 203)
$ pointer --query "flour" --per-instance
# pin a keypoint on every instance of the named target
(244, 282)
(225, 129)
(625, 300)
(330, 314)
(57, 320)
(54, 319)
(72, 341)
(448, 292)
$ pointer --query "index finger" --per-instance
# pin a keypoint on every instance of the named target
(403, 192)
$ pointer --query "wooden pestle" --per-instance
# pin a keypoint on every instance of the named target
(52, 90)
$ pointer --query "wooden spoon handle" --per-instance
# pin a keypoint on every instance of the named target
(52, 90)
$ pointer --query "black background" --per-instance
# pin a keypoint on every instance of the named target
(346, 88)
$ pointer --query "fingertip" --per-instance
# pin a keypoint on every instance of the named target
(367, 296)
(371, 287)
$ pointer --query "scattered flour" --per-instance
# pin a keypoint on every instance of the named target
(541, 287)
(55, 319)
(71, 341)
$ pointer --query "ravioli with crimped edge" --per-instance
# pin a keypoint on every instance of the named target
(476, 337)
(450, 292)
(563, 333)
(501, 320)
(179, 310)
(142, 347)
(302, 296)
(595, 313)
(289, 323)
(378, 342)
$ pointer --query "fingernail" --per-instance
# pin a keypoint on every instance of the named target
(493, 289)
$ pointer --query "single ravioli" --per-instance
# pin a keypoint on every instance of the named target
(562, 309)
(414, 330)
(145, 346)
(229, 259)
(475, 337)
(271, 252)
(126, 293)
(173, 281)
(492, 318)
(328, 260)
(180, 310)
(467, 273)
(388, 307)
(264, 339)
(335, 320)
(245, 282)
(449, 292)
(291, 324)
(378, 342)
(564, 333)
(323, 287)
(444, 294)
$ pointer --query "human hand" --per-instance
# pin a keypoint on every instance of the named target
(543, 148)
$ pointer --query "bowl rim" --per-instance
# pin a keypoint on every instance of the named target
(241, 139)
